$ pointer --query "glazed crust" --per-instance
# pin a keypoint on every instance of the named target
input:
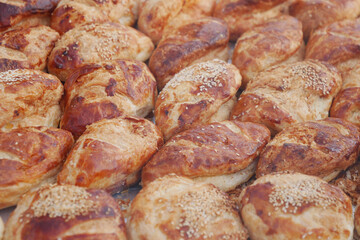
(11, 59)
(315, 14)
(296, 206)
(95, 43)
(66, 212)
(244, 15)
(276, 41)
(29, 98)
(30, 157)
(357, 220)
(195, 95)
(321, 148)
(289, 93)
(211, 150)
(110, 154)
(71, 13)
(349, 182)
(159, 16)
(107, 90)
(35, 43)
(198, 41)
(177, 208)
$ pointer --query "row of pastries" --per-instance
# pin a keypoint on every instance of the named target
(97, 96)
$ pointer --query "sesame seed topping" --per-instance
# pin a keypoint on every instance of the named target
(12, 77)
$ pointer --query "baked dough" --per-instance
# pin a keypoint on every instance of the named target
(11, 59)
(111, 153)
(177, 208)
(30, 157)
(279, 40)
(66, 212)
(224, 154)
(107, 90)
(296, 206)
(199, 94)
(357, 220)
(289, 93)
(1, 229)
(197, 41)
(29, 98)
(95, 43)
(321, 148)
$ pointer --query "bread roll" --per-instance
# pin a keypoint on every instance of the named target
(321, 148)
(71, 13)
(279, 40)
(11, 59)
(224, 154)
(95, 43)
(35, 42)
(107, 90)
(319, 13)
(177, 208)
(198, 41)
(244, 15)
(66, 212)
(33, 12)
(349, 182)
(29, 98)
(30, 157)
(111, 153)
(289, 93)
(199, 94)
(296, 206)
(159, 16)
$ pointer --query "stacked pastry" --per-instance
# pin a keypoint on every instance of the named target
(261, 142)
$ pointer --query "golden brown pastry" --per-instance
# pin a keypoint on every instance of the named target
(1, 229)
(319, 13)
(157, 17)
(71, 13)
(198, 41)
(296, 206)
(244, 15)
(111, 153)
(199, 94)
(32, 12)
(95, 43)
(29, 98)
(11, 59)
(30, 157)
(279, 40)
(357, 220)
(320, 148)
(289, 93)
(224, 154)
(107, 90)
(35, 43)
(177, 208)
(349, 182)
(66, 212)
(338, 44)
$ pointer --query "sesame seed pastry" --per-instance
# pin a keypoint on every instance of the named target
(283, 206)
(66, 212)
(199, 94)
(289, 93)
(175, 207)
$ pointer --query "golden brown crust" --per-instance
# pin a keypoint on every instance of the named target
(30, 157)
(243, 15)
(200, 40)
(195, 95)
(13, 11)
(177, 208)
(289, 93)
(35, 42)
(110, 154)
(269, 44)
(66, 212)
(107, 90)
(95, 43)
(315, 14)
(11, 59)
(296, 206)
(346, 105)
(70, 13)
(29, 98)
(210, 150)
(349, 182)
(357, 220)
(320, 148)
